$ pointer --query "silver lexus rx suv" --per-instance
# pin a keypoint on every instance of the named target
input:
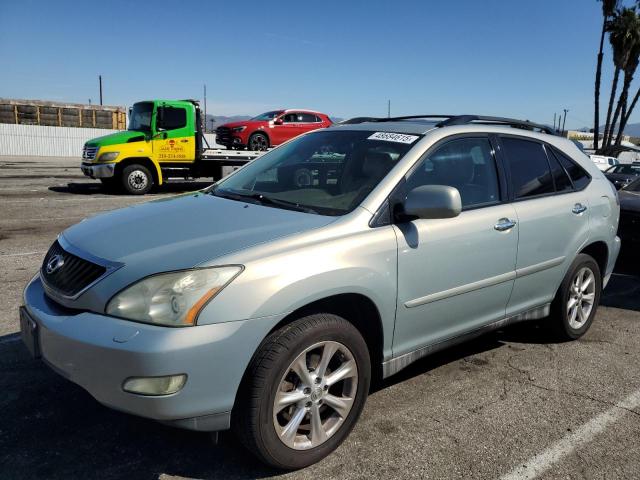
(269, 301)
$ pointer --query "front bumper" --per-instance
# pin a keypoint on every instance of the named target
(100, 170)
(99, 352)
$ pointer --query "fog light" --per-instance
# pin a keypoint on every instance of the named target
(155, 385)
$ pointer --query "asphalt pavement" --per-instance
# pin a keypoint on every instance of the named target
(508, 405)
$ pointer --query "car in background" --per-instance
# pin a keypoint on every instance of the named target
(270, 129)
(629, 227)
(621, 175)
(603, 162)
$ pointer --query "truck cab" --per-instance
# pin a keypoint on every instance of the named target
(164, 138)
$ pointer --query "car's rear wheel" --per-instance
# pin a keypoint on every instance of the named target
(258, 141)
(577, 299)
(136, 179)
(303, 392)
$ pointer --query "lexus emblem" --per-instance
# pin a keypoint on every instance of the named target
(55, 263)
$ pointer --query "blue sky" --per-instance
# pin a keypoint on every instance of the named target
(346, 58)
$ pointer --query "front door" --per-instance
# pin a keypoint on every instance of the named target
(455, 275)
(174, 140)
(290, 127)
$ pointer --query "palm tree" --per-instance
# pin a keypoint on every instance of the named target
(629, 71)
(623, 37)
(608, 9)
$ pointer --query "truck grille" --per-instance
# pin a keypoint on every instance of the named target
(66, 273)
(89, 153)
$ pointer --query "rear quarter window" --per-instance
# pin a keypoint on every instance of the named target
(579, 176)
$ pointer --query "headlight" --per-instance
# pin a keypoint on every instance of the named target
(109, 156)
(174, 298)
(238, 129)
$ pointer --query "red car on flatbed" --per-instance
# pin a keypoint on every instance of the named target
(270, 128)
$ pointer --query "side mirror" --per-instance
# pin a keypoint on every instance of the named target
(433, 201)
(278, 121)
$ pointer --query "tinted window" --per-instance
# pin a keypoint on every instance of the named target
(529, 168)
(308, 117)
(579, 177)
(626, 169)
(170, 118)
(291, 118)
(466, 164)
(560, 176)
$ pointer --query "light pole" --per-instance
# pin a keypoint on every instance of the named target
(564, 120)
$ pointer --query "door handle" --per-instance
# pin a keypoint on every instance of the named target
(579, 208)
(504, 224)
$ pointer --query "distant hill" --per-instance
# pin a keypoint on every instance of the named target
(632, 129)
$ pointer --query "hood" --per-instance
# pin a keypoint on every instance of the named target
(629, 200)
(247, 123)
(116, 138)
(184, 231)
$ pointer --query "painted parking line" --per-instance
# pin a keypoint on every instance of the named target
(542, 462)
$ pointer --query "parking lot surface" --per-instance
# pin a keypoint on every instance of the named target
(507, 405)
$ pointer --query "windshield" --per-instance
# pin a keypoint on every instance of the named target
(263, 117)
(327, 172)
(140, 119)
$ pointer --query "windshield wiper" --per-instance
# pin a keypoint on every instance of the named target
(263, 200)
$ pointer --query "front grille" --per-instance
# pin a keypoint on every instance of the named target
(223, 135)
(66, 273)
(89, 153)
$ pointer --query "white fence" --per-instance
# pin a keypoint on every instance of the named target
(36, 140)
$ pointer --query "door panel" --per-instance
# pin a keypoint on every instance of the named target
(175, 138)
(550, 236)
(454, 275)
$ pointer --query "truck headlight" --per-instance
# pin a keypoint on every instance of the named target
(238, 129)
(109, 156)
(174, 299)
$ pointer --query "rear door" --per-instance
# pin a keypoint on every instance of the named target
(455, 274)
(553, 217)
(174, 140)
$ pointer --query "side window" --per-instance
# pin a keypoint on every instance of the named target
(171, 118)
(308, 117)
(466, 164)
(529, 168)
(290, 118)
(579, 177)
(560, 176)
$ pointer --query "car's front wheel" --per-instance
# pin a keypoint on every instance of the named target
(303, 392)
(258, 141)
(577, 299)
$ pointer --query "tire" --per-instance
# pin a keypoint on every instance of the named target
(262, 428)
(258, 141)
(571, 322)
(136, 179)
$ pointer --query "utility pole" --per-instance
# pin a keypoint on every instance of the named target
(554, 121)
(564, 120)
(100, 84)
(205, 106)
(388, 108)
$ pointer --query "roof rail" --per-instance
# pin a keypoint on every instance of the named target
(449, 120)
(485, 120)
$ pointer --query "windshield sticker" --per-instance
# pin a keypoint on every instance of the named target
(393, 137)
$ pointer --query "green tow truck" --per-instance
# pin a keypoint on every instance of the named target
(164, 140)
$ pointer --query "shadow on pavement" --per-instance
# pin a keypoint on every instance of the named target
(50, 428)
(93, 188)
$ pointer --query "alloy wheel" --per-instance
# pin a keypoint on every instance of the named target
(582, 293)
(315, 395)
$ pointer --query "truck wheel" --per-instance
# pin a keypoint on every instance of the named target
(137, 179)
(258, 141)
(303, 391)
(577, 299)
